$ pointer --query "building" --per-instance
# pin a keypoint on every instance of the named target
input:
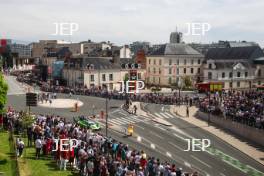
(92, 72)
(204, 47)
(19, 54)
(176, 37)
(137, 46)
(93, 48)
(170, 63)
(236, 67)
(125, 52)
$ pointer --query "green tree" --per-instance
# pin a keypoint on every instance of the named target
(187, 81)
(27, 120)
(3, 93)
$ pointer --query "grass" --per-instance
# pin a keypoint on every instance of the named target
(7, 156)
(45, 166)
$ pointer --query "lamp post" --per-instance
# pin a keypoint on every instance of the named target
(106, 115)
(179, 87)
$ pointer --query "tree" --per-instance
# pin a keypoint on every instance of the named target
(27, 120)
(3, 93)
(187, 81)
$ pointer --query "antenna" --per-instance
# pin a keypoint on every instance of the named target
(176, 29)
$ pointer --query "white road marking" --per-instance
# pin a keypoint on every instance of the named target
(187, 164)
(164, 115)
(139, 127)
(122, 113)
(176, 146)
(168, 154)
(155, 134)
(152, 146)
(139, 139)
(157, 114)
(168, 114)
(201, 161)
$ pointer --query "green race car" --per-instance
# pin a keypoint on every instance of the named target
(85, 123)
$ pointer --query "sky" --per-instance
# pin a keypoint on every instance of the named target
(126, 21)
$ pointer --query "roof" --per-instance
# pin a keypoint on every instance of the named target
(236, 53)
(230, 65)
(175, 49)
(242, 44)
(99, 63)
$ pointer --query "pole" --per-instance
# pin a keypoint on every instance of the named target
(209, 110)
(106, 116)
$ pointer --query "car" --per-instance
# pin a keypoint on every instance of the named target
(86, 123)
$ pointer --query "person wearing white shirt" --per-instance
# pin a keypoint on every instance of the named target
(38, 145)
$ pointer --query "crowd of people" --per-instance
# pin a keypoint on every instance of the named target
(95, 154)
(241, 106)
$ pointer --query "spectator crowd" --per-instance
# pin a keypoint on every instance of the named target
(95, 154)
(241, 106)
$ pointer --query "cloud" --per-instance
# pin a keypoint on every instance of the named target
(126, 21)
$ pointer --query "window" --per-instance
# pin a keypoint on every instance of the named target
(139, 75)
(170, 62)
(238, 84)
(111, 77)
(149, 61)
(199, 71)
(238, 74)
(223, 74)
(191, 70)
(154, 70)
(159, 80)
(192, 62)
(199, 61)
(210, 66)
(154, 62)
(178, 62)
(184, 70)
(246, 74)
(159, 71)
(209, 75)
(178, 71)
(149, 69)
(153, 79)
(259, 82)
(230, 74)
(259, 72)
(169, 70)
(230, 84)
(92, 78)
(169, 80)
(185, 62)
(160, 62)
(103, 77)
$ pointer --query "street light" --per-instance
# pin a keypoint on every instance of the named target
(179, 87)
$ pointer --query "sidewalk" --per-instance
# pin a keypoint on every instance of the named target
(236, 143)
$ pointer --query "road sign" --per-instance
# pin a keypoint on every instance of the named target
(31, 99)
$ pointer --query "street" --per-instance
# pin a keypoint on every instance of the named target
(165, 142)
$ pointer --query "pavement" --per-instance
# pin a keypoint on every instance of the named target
(61, 103)
(151, 134)
(228, 138)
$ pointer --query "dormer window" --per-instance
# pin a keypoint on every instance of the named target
(210, 66)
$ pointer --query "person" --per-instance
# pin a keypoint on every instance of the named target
(135, 109)
(30, 136)
(187, 111)
(20, 147)
(38, 145)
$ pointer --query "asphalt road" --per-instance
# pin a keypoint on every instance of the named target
(165, 143)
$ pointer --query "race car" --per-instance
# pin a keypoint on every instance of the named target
(86, 123)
